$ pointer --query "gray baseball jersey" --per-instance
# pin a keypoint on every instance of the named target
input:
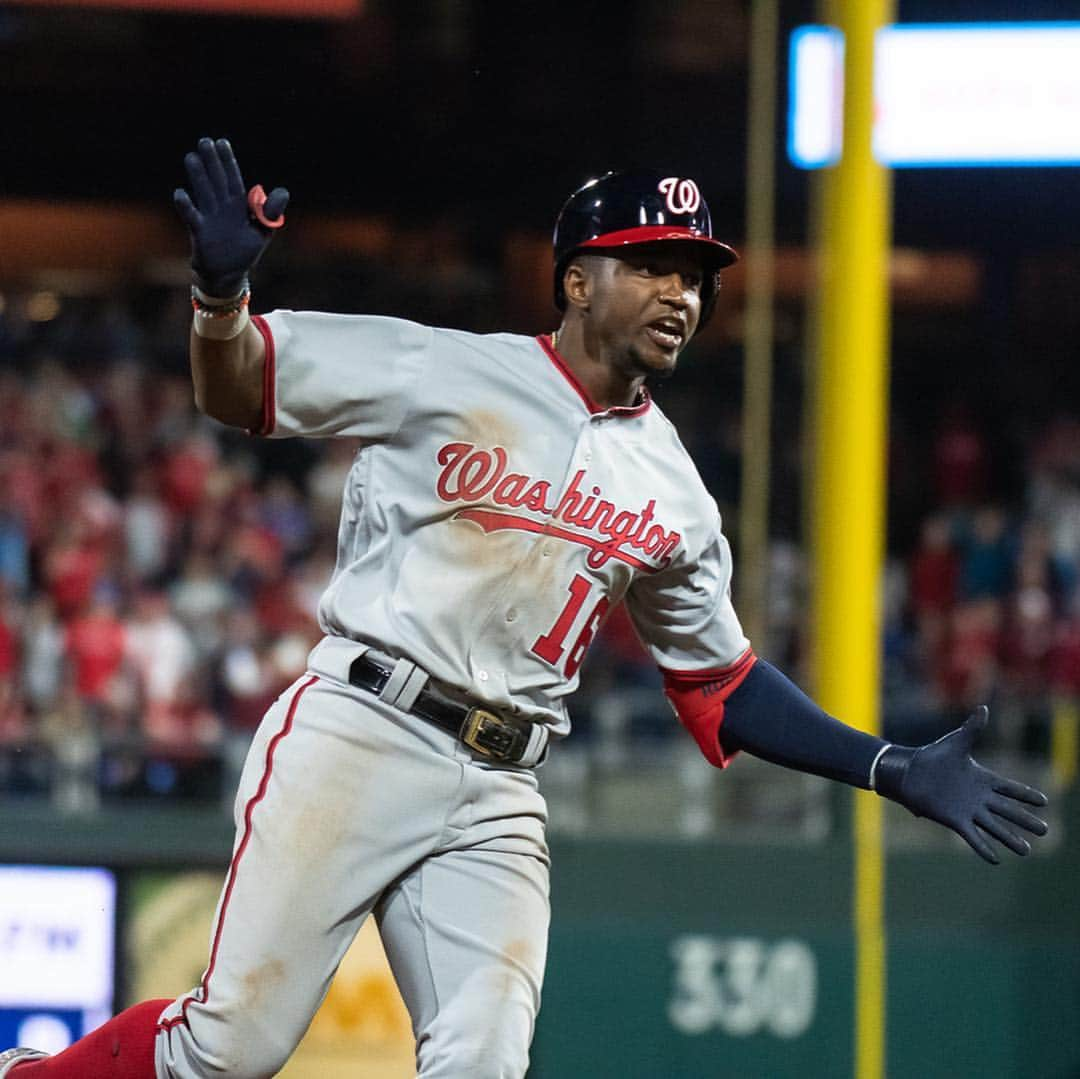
(491, 519)
(495, 515)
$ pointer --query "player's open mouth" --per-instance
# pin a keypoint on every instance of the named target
(667, 333)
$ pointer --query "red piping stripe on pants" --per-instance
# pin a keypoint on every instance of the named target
(253, 801)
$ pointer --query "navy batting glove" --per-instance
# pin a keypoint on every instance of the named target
(230, 226)
(943, 781)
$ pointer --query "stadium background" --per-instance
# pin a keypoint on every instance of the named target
(158, 573)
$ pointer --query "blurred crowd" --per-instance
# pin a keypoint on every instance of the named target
(986, 607)
(158, 580)
(159, 574)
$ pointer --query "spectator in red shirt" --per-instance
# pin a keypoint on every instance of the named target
(1063, 663)
(960, 460)
(12, 716)
(72, 570)
(935, 570)
(7, 650)
(186, 472)
(95, 645)
(971, 669)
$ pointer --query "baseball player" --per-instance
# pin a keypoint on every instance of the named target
(510, 492)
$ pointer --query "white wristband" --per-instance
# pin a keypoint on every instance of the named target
(873, 767)
(221, 327)
(204, 299)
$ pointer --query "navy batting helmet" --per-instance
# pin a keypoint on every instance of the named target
(638, 207)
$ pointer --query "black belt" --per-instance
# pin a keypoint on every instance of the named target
(502, 738)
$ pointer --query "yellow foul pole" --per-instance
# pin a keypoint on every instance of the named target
(849, 466)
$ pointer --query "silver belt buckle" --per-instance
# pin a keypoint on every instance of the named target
(487, 733)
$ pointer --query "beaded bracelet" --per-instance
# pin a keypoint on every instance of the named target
(220, 319)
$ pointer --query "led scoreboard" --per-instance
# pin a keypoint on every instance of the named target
(950, 94)
(57, 952)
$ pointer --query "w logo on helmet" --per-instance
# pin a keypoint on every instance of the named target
(683, 196)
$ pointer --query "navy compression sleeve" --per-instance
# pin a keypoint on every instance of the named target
(768, 716)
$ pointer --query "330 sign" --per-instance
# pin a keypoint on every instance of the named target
(743, 986)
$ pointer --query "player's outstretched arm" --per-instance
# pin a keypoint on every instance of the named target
(770, 717)
(230, 227)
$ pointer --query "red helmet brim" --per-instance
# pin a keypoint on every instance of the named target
(719, 253)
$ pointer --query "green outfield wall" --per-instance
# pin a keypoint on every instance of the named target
(714, 959)
(723, 960)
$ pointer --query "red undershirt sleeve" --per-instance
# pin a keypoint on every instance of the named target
(698, 699)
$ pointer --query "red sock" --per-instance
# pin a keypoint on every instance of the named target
(122, 1048)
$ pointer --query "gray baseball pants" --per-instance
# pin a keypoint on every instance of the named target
(348, 807)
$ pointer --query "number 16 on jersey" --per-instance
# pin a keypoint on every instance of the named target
(551, 646)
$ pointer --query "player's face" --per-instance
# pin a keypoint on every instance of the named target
(645, 306)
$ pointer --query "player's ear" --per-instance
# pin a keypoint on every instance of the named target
(577, 283)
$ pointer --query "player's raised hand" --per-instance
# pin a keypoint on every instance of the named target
(230, 226)
(944, 782)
